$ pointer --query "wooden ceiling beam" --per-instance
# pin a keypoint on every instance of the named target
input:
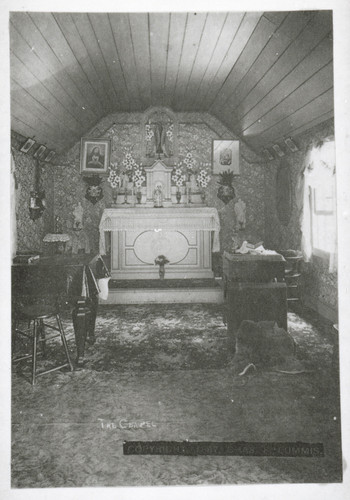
(120, 27)
(313, 33)
(140, 39)
(280, 40)
(192, 38)
(109, 60)
(233, 51)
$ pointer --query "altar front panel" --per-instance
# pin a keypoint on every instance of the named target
(133, 254)
(185, 236)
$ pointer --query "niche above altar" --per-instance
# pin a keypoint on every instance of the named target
(159, 135)
(158, 176)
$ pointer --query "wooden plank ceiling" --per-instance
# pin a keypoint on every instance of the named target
(265, 75)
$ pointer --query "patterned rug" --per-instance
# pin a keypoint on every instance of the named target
(161, 372)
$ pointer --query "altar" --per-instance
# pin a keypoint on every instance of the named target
(135, 237)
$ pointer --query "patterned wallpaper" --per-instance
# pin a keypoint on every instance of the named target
(31, 233)
(319, 284)
(196, 132)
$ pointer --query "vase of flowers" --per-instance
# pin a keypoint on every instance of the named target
(160, 261)
(203, 179)
(115, 196)
(114, 180)
(138, 178)
(178, 177)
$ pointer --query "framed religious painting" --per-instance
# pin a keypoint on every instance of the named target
(94, 156)
(225, 156)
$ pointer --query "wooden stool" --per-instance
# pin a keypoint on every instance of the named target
(37, 313)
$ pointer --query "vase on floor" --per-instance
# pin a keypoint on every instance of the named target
(139, 196)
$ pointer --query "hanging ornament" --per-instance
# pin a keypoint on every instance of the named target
(226, 191)
(94, 191)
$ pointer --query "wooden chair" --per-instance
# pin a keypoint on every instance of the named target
(36, 316)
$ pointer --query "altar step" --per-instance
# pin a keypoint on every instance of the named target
(167, 291)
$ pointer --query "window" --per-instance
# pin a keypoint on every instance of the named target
(323, 218)
(318, 196)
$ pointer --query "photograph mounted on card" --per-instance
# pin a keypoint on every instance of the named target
(94, 156)
(50, 156)
(39, 152)
(27, 145)
(225, 156)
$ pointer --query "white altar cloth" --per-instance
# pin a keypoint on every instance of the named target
(170, 219)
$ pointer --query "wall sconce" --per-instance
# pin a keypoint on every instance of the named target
(278, 150)
(37, 203)
(291, 144)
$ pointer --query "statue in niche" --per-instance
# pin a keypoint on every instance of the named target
(79, 239)
(158, 196)
(159, 136)
(240, 209)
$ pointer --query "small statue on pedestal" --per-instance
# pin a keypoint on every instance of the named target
(240, 209)
(158, 196)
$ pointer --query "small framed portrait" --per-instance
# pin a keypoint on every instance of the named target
(50, 156)
(291, 144)
(225, 156)
(27, 145)
(39, 152)
(278, 150)
(94, 156)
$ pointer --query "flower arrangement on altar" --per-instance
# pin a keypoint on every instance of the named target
(191, 169)
(203, 178)
(138, 177)
(114, 178)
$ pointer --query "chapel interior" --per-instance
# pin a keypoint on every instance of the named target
(174, 230)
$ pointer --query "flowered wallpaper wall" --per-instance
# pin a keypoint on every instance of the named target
(255, 186)
(31, 233)
(195, 134)
(319, 284)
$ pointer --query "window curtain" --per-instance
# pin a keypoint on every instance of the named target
(319, 170)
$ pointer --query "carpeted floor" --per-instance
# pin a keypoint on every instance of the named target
(162, 372)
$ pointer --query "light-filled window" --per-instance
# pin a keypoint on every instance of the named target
(323, 217)
(319, 214)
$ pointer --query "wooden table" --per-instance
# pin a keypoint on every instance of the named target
(66, 280)
(254, 289)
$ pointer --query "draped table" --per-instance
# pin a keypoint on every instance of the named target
(185, 236)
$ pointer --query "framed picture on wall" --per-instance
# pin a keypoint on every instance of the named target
(27, 145)
(94, 156)
(225, 156)
(50, 156)
(39, 152)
